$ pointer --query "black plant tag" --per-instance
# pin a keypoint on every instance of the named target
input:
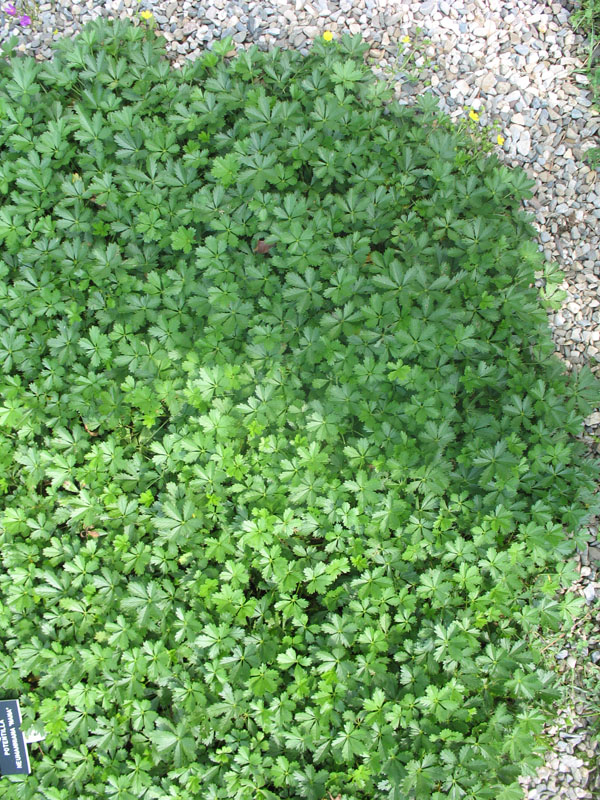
(14, 759)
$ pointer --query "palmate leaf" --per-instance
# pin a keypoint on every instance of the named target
(290, 658)
(106, 734)
(22, 84)
(118, 787)
(97, 347)
(349, 743)
(225, 168)
(130, 143)
(175, 743)
(90, 128)
(163, 143)
(150, 224)
(231, 707)
(147, 600)
(176, 524)
(182, 239)
(12, 229)
(512, 792)
(422, 775)
(215, 638)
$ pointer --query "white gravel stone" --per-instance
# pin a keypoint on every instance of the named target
(524, 143)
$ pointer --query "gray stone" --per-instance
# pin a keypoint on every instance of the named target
(589, 593)
(594, 553)
(488, 82)
(524, 143)
(428, 7)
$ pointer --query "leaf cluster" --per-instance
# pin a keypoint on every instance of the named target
(276, 520)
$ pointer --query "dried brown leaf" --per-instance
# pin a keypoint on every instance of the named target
(262, 247)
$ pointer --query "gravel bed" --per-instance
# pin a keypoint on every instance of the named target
(517, 62)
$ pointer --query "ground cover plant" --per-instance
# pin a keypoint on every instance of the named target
(289, 478)
(586, 17)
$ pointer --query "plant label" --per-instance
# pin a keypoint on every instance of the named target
(14, 759)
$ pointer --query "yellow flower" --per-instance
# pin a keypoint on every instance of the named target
(328, 36)
(473, 115)
(500, 139)
(405, 39)
(146, 14)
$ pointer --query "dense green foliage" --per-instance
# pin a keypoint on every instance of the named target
(586, 18)
(277, 519)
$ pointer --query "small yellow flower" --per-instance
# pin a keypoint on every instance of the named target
(405, 39)
(500, 139)
(328, 36)
(146, 14)
(473, 115)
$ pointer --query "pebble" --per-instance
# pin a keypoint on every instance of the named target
(589, 592)
(488, 82)
(524, 143)
(518, 62)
